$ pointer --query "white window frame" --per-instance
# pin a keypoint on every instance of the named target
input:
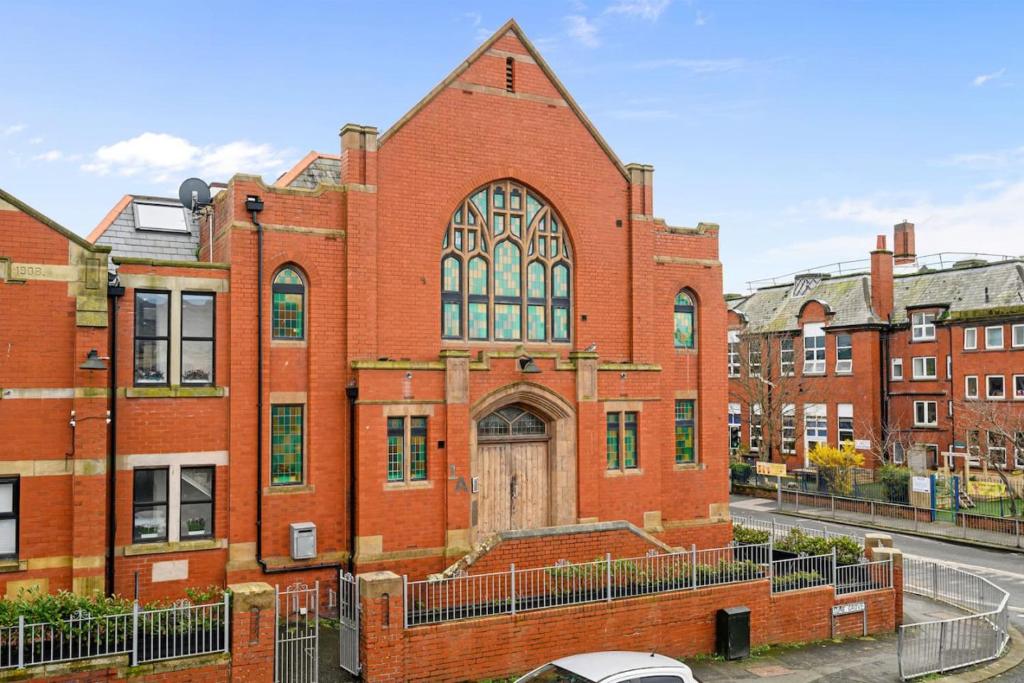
(1017, 341)
(756, 429)
(897, 363)
(922, 326)
(970, 333)
(814, 356)
(735, 423)
(931, 409)
(754, 348)
(899, 454)
(844, 367)
(788, 439)
(1002, 340)
(734, 353)
(1017, 396)
(787, 368)
(923, 367)
(815, 427)
(844, 414)
(968, 380)
(988, 388)
(949, 366)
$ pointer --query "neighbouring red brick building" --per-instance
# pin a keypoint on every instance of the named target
(900, 352)
(471, 322)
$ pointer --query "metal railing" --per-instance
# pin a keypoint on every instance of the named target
(183, 630)
(803, 572)
(942, 645)
(780, 529)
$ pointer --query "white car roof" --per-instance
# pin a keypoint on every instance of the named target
(599, 665)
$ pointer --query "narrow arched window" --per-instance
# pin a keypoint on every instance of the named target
(685, 321)
(506, 268)
(288, 319)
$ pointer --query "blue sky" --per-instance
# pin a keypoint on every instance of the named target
(803, 128)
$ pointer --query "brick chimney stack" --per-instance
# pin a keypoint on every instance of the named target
(881, 277)
(903, 243)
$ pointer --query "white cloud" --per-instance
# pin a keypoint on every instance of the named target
(52, 155)
(582, 30)
(16, 128)
(161, 156)
(985, 78)
(700, 19)
(995, 159)
(35, 141)
(695, 66)
(644, 9)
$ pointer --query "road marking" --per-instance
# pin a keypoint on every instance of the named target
(759, 504)
(973, 567)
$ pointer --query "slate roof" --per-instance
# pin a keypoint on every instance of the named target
(125, 238)
(313, 169)
(962, 291)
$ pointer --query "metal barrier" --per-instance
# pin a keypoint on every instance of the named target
(779, 529)
(942, 645)
(148, 635)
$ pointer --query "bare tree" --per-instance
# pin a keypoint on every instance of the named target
(995, 432)
(884, 441)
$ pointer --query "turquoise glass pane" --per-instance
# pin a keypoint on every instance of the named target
(477, 276)
(532, 207)
(554, 225)
(515, 225)
(287, 276)
(535, 322)
(612, 441)
(499, 198)
(683, 299)
(515, 200)
(507, 322)
(452, 327)
(542, 225)
(480, 201)
(506, 269)
(499, 223)
(535, 279)
(478, 321)
(554, 246)
(543, 245)
(470, 240)
(452, 274)
(457, 218)
(471, 218)
(560, 323)
(560, 281)
(684, 330)
(286, 445)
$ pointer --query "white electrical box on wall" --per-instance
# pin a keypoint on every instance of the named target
(303, 540)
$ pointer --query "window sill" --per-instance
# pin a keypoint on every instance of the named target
(175, 391)
(814, 374)
(284, 489)
(173, 547)
(925, 379)
(688, 467)
(419, 484)
(686, 351)
(845, 374)
(288, 343)
(934, 426)
(624, 473)
(7, 566)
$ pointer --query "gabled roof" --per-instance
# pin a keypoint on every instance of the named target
(11, 200)
(312, 169)
(119, 231)
(981, 288)
(510, 26)
(776, 309)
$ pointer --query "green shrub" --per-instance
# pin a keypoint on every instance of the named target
(895, 481)
(740, 471)
(802, 579)
(848, 551)
(742, 534)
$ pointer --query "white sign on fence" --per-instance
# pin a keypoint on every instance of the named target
(921, 484)
(848, 608)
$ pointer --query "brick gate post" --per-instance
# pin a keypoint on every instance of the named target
(381, 628)
(252, 632)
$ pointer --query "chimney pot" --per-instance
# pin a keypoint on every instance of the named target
(880, 243)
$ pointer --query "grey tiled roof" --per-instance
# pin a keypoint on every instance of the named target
(961, 289)
(126, 240)
(775, 309)
(322, 170)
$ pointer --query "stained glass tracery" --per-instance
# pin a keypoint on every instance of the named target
(505, 268)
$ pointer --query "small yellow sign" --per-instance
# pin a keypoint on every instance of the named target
(771, 469)
(986, 489)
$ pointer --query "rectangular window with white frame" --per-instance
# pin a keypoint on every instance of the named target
(788, 428)
(845, 415)
(815, 427)
(814, 349)
(787, 357)
(1018, 387)
(970, 338)
(994, 337)
(173, 503)
(949, 366)
(995, 387)
(754, 357)
(735, 427)
(844, 354)
(756, 435)
(897, 369)
(923, 367)
(926, 414)
(971, 387)
(899, 454)
(1018, 450)
(923, 326)
(997, 450)
(1017, 336)
(9, 517)
(734, 353)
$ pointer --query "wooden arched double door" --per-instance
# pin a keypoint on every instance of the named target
(512, 453)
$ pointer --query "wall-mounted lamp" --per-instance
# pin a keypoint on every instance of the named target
(93, 361)
(527, 365)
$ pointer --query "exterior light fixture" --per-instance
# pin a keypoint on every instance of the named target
(93, 361)
(527, 365)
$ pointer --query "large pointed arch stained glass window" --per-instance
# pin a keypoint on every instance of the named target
(506, 269)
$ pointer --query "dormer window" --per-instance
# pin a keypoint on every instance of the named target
(923, 326)
(161, 217)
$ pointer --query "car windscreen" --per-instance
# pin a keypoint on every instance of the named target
(553, 674)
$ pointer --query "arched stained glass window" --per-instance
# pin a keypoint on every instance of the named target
(510, 422)
(288, 320)
(518, 265)
(685, 327)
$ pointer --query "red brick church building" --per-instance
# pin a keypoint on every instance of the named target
(469, 323)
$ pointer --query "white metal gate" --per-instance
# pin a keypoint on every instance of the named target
(297, 618)
(348, 611)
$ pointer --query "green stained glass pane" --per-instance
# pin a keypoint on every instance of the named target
(554, 227)
(287, 319)
(477, 276)
(532, 207)
(457, 218)
(629, 459)
(418, 448)
(452, 322)
(543, 245)
(471, 218)
(470, 240)
(499, 198)
(559, 281)
(685, 447)
(684, 330)
(286, 445)
(515, 200)
(480, 201)
(515, 224)
(507, 323)
(542, 225)
(683, 299)
(458, 240)
(612, 441)
(535, 323)
(499, 223)
(287, 276)
(535, 281)
(478, 321)
(560, 323)
(452, 274)
(554, 246)
(506, 270)
(396, 448)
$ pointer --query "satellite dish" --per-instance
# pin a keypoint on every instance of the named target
(194, 193)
